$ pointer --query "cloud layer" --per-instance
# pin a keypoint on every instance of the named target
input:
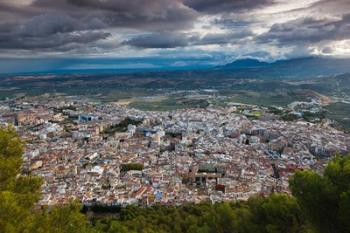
(139, 28)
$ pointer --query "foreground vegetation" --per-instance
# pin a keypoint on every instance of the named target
(319, 204)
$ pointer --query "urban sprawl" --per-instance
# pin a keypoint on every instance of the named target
(110, 154)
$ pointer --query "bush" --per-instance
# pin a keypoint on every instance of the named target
(131, 167)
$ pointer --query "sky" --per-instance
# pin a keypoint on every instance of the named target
(181, 33)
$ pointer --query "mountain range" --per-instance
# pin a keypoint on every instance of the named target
(299, 68)
(309, 67)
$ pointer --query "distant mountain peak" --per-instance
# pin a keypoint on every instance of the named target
(245, 64)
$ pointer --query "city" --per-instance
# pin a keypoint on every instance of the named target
(110, 154)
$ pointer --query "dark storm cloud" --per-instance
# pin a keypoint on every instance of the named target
(161, 15)
(48, 24)
(83, 25)
(327, 50)
(155, 14)
(177, 39)
(54, 41)
(57, 23)
(153, 8)
(308, 31)
(229, 23)
(14, 13)
(5, 7)
(48, 31)
(220, 6)
(62, 24)
(160, 40)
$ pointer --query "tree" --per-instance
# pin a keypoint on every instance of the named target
(19, 193)
(325, 199)
(11, 150)
(61, 219)
(273, 214)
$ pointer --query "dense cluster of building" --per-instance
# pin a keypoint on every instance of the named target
(106, 153)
